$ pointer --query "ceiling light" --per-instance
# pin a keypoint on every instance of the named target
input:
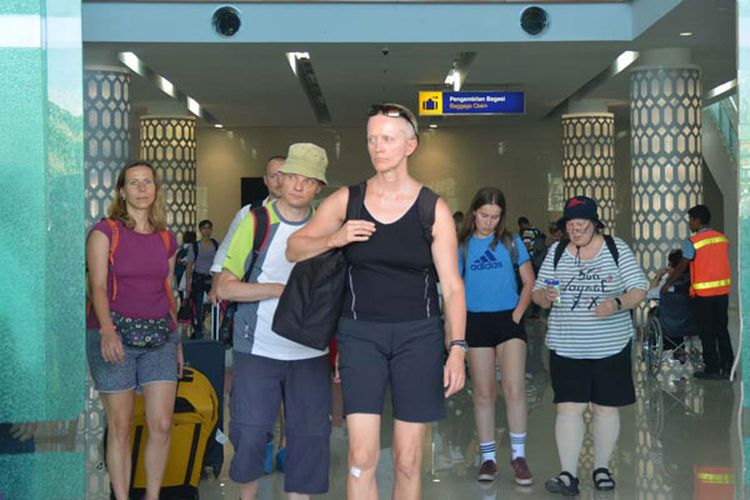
(165, 85)
(293, 57)
(459, 70)
(132, 62)
(686, 33)
(193, 106)
(303, 70)
(623, 61)
(218, 125)
(721, 89)
(137, 66)
(433, 125)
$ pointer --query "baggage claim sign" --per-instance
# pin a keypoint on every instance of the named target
(471, 103)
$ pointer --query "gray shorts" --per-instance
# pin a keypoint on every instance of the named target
(259, 386)
(141, 365)
(408, 356)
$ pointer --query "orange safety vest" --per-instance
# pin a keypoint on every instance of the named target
(709, 270)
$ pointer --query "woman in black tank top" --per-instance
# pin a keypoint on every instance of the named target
(391, 331)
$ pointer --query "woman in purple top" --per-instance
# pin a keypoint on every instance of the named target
(131, 340)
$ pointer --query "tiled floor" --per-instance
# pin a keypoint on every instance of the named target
(679, 441)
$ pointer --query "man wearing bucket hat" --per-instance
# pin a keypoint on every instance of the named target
(590, 281)
(265, 362)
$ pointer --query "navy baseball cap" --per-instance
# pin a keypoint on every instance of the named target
(580, 207)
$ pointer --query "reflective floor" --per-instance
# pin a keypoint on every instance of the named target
(679, 441)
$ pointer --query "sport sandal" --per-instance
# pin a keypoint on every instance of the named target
(563, 483)
(603, 479)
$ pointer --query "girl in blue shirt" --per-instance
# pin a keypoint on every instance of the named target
(488, 257)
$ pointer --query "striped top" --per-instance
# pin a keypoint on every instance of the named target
(573, 331)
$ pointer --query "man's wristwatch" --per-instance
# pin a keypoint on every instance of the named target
(618, 302)
(459, 343)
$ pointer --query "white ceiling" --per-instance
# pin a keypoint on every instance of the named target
(245, 85)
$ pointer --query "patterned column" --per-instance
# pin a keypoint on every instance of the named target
(169, 144)
(106, 108)
(665, 126)
(589, 160)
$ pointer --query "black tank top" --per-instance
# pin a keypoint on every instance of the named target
(391, 276)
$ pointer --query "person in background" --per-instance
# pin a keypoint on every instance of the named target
(589, 338)
(488, 256)
(268, 368)
(198, 277)
(391, 332)
(706, 253)
(180, 264)
(133, 289)
(272, 179)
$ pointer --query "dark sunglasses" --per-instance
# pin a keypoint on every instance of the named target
(393, 111)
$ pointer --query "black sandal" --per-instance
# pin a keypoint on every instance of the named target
(605, 481)
(563, 483)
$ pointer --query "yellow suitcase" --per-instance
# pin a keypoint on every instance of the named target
(195, 418)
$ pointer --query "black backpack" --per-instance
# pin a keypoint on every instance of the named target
(260, 239)
(310, 306)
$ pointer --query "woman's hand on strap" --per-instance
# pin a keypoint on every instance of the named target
(350, 232)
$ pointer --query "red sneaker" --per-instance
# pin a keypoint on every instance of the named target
(521, 471)
(487, 472)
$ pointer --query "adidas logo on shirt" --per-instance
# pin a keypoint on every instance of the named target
(486, 261)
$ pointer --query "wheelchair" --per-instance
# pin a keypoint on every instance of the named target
(672, 324)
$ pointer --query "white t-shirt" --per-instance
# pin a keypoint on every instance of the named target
(573, 331)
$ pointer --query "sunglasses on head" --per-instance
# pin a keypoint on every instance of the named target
(393, 111)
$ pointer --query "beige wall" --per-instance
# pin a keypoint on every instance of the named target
(455, 162)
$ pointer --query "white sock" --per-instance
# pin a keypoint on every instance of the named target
(488, 451)
(569, 430)
(606, 431)
(517, 445)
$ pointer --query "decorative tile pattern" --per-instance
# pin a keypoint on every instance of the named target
(589, 161)
(667, 179)
(106, 109)
(168, 143)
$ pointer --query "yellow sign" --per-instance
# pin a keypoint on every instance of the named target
(430, 103)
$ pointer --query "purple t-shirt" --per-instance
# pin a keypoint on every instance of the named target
(141, 264)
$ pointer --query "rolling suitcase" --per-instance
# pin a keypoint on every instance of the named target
(196, 414)
(208, 356)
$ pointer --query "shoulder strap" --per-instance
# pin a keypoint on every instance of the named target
(608, 240)
(196, 249)
(260, 236)
(167, 287)
(561, 245)
(114, 242)
(612, 246)
(216, 244)
(356, 201)
(513, 250)
(426, 202)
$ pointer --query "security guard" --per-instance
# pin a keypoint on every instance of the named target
(707, 254)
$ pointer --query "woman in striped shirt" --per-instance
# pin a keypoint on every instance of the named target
(591, 281)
